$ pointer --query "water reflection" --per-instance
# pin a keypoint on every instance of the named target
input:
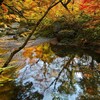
(47, 76)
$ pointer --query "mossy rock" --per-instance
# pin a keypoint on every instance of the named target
(65, 34)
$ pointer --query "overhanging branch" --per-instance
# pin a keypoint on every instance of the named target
(29, 36)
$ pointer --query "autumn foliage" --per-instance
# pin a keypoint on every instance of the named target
(34, 9)
(90, 6)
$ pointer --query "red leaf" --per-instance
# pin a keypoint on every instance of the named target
(5, 10)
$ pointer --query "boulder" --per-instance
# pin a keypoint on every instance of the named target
(65, 34)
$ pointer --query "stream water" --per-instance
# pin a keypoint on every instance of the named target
(47, 76)
(77, 82)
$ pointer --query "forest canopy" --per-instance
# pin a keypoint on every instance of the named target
(33, 9)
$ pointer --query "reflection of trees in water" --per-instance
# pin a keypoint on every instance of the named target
(67, 85)
(90, 84)
(90, 81)
(65, 75)
(63, 50)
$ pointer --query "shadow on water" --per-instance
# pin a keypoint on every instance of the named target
(56, 73)
(62, 50)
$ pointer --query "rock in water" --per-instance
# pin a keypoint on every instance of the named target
(65, 34)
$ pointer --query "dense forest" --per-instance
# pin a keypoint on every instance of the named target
(44, 30)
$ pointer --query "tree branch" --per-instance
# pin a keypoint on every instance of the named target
(64, 4)
(64, 66)
(29, 36)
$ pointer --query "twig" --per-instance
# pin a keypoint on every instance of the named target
(64, 4)
(29, 36)
(65, 65)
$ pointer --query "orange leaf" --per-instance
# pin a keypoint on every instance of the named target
(5, 10)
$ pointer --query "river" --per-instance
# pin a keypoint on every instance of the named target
(42, 72)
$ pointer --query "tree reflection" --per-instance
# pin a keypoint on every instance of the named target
(49, 75)
(89, 84)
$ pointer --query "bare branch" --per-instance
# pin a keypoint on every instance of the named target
(64, 4)
(64, 66)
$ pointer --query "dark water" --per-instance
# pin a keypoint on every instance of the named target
(47, 75)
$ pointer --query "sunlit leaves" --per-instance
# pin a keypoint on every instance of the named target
(28, 52)
(42, 52)
(33, 9)
(7, 74)
(90, 6)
